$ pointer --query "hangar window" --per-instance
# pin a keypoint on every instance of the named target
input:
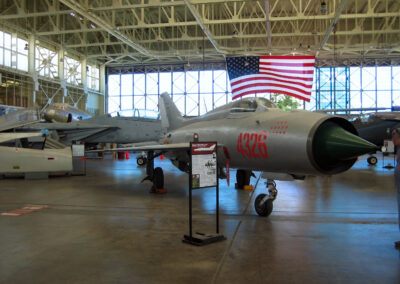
(114, 93)
(72, 71)
(93, 77)
(194, 92)
(355, 89)
(46, 62)
(13, 51)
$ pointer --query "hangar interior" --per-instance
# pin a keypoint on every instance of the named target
(106, 56)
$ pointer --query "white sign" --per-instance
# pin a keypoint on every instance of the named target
(78, 150)
(389, 146)
(204, 164)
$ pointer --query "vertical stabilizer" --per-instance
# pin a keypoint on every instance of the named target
(171, 118)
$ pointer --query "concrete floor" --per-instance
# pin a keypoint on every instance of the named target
(106, 227)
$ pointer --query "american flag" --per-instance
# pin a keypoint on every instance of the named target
(289, 75)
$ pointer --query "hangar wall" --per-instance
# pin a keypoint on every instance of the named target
(34, 74)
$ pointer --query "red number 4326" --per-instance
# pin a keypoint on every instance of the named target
(252, 144)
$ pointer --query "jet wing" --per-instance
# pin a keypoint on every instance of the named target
(156, 147)
(4, 137)
(73, 130)
(19, 118)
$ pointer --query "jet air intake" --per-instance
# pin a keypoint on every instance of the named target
(336, 146)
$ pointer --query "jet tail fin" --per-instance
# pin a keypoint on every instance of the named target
(171, 118)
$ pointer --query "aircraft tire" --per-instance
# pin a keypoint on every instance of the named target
(242, 178)
(265, 209)
(141, 161)
(240, 175)
(158, 180)
(372, 160)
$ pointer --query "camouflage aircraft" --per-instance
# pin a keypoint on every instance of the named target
(375, 128)
(253, 135)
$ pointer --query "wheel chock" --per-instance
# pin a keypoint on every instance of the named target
(248, 187)
(245, 187)
(158, 190)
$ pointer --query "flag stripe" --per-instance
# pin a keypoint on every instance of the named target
(280, 91)
(285, 70)
(308, 77)
(307, 81)
(302, 79)
(288, 57)
(261, 89)
(268, 85)
(287, 64)
(273, 81)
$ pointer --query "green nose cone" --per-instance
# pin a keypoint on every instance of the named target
(332, 142)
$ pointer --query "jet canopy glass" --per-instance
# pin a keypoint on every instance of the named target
(247, 105)
(138, 113)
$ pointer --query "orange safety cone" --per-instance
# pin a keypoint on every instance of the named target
(162, 157)
(127, 155)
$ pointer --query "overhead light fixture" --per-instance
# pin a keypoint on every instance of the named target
(246, 63)
(26, 47)
(324, 8)
(235, 34)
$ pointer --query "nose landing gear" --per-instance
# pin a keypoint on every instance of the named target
(264, 202)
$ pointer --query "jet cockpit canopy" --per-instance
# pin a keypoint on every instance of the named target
(137, 113)
(251, 105)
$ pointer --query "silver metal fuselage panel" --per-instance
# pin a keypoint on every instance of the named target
(288, 140)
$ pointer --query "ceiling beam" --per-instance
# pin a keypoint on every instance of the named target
(205, 29)
(268, 22)
(34, 14)
(339, 11)
(104, 25)
(115, 6)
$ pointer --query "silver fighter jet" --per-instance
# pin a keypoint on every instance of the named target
(253, 135)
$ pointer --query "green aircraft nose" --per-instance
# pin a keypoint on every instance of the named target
(332, 142)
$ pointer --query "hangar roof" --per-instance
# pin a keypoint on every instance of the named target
(129, 32)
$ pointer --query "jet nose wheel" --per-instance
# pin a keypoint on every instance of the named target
(141, 161)
(372, 160)
(263, 205)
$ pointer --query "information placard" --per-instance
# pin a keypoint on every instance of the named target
(204, 164)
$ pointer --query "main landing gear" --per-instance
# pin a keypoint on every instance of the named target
(141, 160)
(243, 178)
(264, 202)
(372, 160)
(155, 175)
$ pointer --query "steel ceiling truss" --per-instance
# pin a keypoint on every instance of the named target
(148, 31)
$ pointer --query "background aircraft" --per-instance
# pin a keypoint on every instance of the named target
(20, 160)
(376, 127)
(255, 136)
(124, 127)
(61, 112)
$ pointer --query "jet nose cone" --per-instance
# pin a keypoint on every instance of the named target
(332, 142)
(49, 114)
